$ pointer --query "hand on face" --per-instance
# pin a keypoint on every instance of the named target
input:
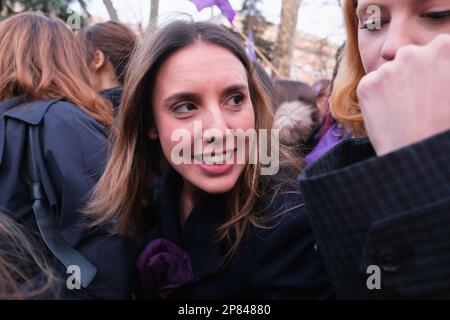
(404, 97)
(408, 99)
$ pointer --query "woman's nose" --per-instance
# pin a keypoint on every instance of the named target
(400, 34)
(214, 125)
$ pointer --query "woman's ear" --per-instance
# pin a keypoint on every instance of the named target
(152, 134)
(99, 60)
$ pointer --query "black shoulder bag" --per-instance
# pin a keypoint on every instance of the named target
(47, 224)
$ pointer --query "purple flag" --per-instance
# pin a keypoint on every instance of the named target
(224, 6)
(250, 47)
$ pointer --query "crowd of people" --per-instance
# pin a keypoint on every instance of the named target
(93, 125)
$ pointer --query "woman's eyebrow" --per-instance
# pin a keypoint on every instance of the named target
(195, 97)
(235, 88)
(188, 96)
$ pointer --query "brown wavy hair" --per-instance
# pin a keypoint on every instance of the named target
(42, 59)
(344, 100)
(124, 187)
(114, 39)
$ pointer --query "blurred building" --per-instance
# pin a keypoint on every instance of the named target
(313, 57)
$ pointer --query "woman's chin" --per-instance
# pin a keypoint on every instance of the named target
(216, 180)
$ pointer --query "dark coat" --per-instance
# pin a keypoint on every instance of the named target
(392, 212)
(278, 263)
(73, 151)
(115, 96)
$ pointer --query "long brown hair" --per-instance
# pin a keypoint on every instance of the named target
(344, 100)
(124, 186)
(41, 58)
(20, 259)
(114, 39)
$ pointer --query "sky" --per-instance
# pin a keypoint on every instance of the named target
(321, 18)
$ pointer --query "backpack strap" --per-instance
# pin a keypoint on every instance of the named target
(47, 224)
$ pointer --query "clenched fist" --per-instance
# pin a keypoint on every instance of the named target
(408, 99)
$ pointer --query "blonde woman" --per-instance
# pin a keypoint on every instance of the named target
(219, 229)
(380, 207)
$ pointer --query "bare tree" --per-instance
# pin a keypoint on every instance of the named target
(284, 44)
(154, 12)
(111, 10)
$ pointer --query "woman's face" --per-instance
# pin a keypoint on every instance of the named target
(208, 85)
(402, 22)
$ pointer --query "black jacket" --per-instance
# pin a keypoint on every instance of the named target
(115, 96)
(73, 151)
(392, 212)
(278, 263)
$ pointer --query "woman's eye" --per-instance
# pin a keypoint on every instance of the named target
(437, 16)
(183, 108)
(236, 100)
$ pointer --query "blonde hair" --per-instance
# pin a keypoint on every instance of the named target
(123, 189)
(344, 100)
(18, 257)
(295, 120)
(41, 58)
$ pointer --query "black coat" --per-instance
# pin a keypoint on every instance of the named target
(73, 151)
(279, 263)
(115, 96)
(392, 212)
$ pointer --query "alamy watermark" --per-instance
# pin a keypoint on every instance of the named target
(236, 146)
(375, 17)
(374, 280)
(74, 20)
(73, 281)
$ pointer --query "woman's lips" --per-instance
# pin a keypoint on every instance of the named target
(215, 169)
(222, 158)
(217, 164)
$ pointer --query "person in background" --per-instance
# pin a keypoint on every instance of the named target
(108, 48)
(329, 133)
(322, 91)
(290, 90)
(297, 116)
(379, 203)
(48, 105)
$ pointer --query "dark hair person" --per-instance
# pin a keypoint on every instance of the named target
(48, 104)
(329, 132)
(290, 90)
(322, 91)
(380, 207)
(108, 48)
(231, 232)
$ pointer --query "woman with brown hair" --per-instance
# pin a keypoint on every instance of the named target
(108, 47)
(53, 148)
(219, 227)
(380, 205)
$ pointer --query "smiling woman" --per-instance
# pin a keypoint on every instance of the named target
(246, 234)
